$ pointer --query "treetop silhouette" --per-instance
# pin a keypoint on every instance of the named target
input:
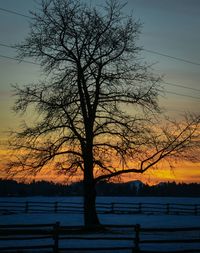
(98, 105)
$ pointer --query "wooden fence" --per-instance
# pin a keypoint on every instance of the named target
(8, 207)
(114, 238)
(171, 240)
(56, 238)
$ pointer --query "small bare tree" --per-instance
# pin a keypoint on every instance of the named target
(98, 110)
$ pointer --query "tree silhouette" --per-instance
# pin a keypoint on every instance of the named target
(98, 109)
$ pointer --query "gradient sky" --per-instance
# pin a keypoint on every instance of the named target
(170, 27)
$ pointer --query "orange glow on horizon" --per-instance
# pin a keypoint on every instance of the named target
(186, 172)
(182, 172)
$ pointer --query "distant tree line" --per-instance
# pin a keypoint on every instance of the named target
(172, 189)
(135, 188)
(139, 189)
(35, 188)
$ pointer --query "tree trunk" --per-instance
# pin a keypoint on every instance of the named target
(91, 220)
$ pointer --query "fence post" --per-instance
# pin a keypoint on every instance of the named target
(167, 209)
(136, 248)
(139, 207)
(26, 207)
(55, 207)
(195, 210)
(112, 208)
(56, 236)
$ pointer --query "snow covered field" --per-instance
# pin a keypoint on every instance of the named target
(146, 221)
(77, 219)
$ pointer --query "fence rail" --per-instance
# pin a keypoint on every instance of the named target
(114, 238)
(59, 238)
(7, 207)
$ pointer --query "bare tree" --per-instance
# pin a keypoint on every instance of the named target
(97, 107)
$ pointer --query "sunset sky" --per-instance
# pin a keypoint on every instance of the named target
(171, 41)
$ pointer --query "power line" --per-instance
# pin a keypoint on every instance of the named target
(171, 84)
(166, 91)
(14, 12)
(15, 59)
(30, 62)
(182, 95)
(170, 92)
(5, 45)
(181, 86)
(146, 50)
(171, 57)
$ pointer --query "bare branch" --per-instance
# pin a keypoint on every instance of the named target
(99, 101)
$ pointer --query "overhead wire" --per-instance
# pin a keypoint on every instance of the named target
(171, 57)
(168, 83)
(5, 45)
(181, 86)
(14, 12)
(35, 63)
(166, 91)
(180, 94)
(146, 50)
(15, 59)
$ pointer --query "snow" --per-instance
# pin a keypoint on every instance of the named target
(146, 221)
(116, 199)
(160, 220)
